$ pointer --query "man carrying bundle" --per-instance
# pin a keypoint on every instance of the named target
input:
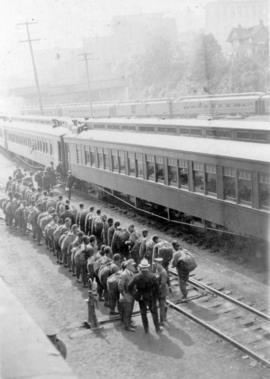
(184, 263)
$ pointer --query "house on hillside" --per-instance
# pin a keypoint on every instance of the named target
(252, 41)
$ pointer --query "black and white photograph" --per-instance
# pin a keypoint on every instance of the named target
(134, 189)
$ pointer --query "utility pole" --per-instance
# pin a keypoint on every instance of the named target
(86, 59)
(29, 41)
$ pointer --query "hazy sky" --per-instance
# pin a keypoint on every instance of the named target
(64, 23)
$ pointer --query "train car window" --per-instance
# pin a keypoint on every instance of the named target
(92, 156)
(224, 133)
(100, 159)
(150, 167)
(183, 173)
(198, 177)
(122, 165)
(139, 165)
(196, 132)
(77, 154)
(211, 180)
(106, 159)
(86, 155)
(167, 130)
(211, 133)
(229, 183)
(115, 161)
(160, 172)
(259, 136)
(150, 171)
(129, 127)
(244, 186)
(131, 164)
(146, 128)
(172, 176)
(264, 191)
(184, 131)
(243, 135)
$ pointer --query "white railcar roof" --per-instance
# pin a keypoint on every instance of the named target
(219, 124)
(36, 128)
(220, 98)
(206, 146)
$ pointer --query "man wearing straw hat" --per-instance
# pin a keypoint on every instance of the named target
(147, 291)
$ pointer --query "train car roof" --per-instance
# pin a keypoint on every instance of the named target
(206, 146)
(222, 98)
(38, 118)
(230, 124)
(36, 128)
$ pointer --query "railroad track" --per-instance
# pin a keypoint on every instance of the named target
(240, 324)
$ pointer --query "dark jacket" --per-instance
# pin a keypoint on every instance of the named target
(146, 285)
(111, 231)
(80, 219)
(68, 214)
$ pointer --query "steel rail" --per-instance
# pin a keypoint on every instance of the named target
(220, 334)
(225, 296)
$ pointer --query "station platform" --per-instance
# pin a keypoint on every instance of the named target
(25, 351)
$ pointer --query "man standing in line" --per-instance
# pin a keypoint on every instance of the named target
(69, 184)
(162, 277)
(126, 301)
(146, 285)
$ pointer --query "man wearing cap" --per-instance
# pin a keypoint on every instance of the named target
(97, 227)
(146, 285)
(8, 185)
(111, 229)
(162, 278)
(80, 217)
(60, 205)
(89, 221)
(126, 301)
(67, 214)
(69, 184)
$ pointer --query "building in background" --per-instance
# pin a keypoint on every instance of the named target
(252, 41)
(221, 16)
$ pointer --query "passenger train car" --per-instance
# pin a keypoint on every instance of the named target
(37, 141)
(241, 130)
(223, 182)
(215, 106)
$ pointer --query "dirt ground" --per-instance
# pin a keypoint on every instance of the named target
(56, 301)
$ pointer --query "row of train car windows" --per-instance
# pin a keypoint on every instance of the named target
(33, 144)
(237, 184)
(243, 135)
(213, 105)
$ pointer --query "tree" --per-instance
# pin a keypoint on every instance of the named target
(208, 64)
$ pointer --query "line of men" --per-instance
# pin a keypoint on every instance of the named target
(127, 266)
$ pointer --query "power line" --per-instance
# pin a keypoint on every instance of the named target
(86, 59)
(29, 41)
